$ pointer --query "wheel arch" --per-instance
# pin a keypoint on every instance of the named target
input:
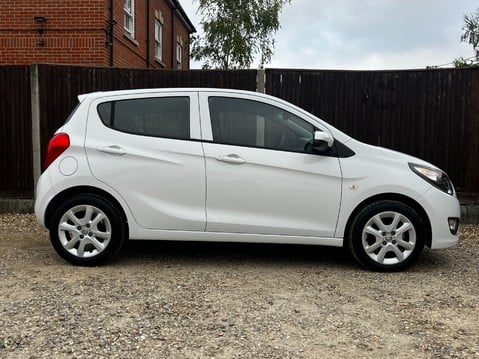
(393, 197)
(72, 191)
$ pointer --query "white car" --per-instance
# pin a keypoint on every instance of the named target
(235, 166)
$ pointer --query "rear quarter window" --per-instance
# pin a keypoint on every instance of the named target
(159, 117)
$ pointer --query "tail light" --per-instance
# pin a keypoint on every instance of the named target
(57, 145)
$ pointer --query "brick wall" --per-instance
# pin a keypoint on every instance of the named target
(73, 32)
(76, 32)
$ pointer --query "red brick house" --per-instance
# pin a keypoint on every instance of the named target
(120, 33)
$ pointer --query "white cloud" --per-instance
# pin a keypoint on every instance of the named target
(366, 34)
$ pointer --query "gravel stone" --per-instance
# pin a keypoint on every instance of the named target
(214, 300)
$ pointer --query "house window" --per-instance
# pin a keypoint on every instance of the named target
(179, 56)
(129, 23)
(158, 40)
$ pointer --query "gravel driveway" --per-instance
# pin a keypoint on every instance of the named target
(198, 300)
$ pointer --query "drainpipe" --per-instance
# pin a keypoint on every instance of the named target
(111, 23)
(173, 42)
(147, 33)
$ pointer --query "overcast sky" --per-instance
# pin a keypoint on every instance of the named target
(365, 34)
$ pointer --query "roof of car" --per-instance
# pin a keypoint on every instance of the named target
(99, 94)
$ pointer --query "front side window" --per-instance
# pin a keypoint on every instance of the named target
(158, 40)
(129, 19)
(256, 124)
(159, 117)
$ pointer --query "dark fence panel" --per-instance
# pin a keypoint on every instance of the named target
(16, 174)
(431, 114)
(60, 86)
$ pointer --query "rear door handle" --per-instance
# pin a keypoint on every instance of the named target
(232, 158)
(113, 149)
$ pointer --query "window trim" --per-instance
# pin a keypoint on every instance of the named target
(179, 56)
(131, 15)
(158, 40)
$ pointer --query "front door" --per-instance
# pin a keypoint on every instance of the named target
(262, 174)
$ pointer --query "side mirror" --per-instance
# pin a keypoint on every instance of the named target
(322, 141)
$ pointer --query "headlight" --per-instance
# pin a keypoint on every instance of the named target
(434, 176)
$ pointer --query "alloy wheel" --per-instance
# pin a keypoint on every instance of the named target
(389, 238)
(84, 231)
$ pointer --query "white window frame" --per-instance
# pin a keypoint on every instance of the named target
(158, 40)
(129, 17)
(179, 56)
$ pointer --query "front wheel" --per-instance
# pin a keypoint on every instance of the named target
(87, 230)
(386, 236)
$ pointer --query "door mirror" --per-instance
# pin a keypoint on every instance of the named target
(322, 141)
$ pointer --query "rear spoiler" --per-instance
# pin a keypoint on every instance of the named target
(82, 97)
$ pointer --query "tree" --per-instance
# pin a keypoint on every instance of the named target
(462, 62)
(235, 31)
(471, 36)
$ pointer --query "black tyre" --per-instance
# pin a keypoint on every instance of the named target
(87, 230)
(386, 236)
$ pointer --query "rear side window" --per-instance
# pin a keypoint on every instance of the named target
(159, 117)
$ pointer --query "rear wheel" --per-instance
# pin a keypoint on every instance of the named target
(386, 236)
(87, 230)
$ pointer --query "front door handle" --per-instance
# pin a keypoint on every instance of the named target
(232, 158)
(113, 149)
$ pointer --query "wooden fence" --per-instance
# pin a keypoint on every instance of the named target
(432, 114)
(16, 176)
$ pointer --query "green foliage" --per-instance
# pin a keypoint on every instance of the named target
(471, 30)
(471, 36)
(462, 62)
(235, 31)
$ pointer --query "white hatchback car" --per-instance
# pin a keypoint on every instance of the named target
(236, 166)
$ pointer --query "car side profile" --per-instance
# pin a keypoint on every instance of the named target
(237, 166)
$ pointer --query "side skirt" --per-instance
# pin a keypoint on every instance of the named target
(233, 237)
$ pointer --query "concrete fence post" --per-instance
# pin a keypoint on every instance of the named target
(261, 79)
(35, 101)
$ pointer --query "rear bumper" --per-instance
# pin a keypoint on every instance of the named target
(43, 196)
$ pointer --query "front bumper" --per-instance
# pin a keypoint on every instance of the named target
(440, 207)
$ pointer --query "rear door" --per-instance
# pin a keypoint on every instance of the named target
(145, 147)
(262, 176)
